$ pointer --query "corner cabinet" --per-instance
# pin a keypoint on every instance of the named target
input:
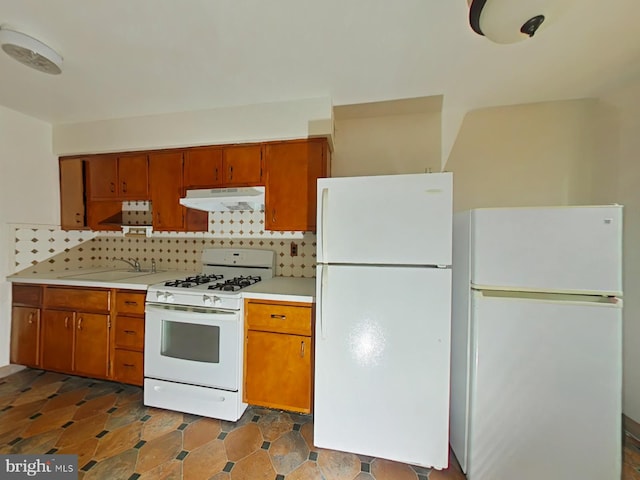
(292, 170)
(278, 355)
(25, 325)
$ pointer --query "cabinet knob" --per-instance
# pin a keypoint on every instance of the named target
(216, 174)
(128, 365)
(66, 322)
(124, 187)
(31, 318)
(80, 323)
(231, 172)
(130, 332)
(112, 187)
(273, 215)
(302, 349)
(130, 302)
(279, 317)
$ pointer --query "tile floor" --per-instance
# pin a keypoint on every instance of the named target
(116, 437)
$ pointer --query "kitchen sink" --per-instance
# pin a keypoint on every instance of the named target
(109, 275)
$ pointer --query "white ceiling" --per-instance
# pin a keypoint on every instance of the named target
(125, 58)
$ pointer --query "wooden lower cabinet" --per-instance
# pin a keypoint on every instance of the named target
(278, 355)
(128, 339)
(76, 342)
(25, 336)
(26, 324)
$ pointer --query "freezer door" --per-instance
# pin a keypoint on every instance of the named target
(382, 362)
(571, 249)
(390, 219)
(545, 397)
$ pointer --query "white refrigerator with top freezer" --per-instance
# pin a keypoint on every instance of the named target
(536, 372)
(383, 316)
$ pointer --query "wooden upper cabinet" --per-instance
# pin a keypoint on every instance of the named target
(203, 168)
(133, 177)
(72, 202)
(165, 180)
(114, 177)
(292, 170)
(242, 166)
(103, 177)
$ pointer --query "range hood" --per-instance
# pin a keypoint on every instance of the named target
(225, 199)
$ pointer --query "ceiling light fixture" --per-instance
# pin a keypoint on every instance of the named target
(30, 52)
(506, 21)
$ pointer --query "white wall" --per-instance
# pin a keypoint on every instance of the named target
(619, 181)
(249, 123)
(28, 194)
(386, 145)
(525, 155)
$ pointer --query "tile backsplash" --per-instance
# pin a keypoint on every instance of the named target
(48, 248)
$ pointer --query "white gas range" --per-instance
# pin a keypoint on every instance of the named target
(193, 334)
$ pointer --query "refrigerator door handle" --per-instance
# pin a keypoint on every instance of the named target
(321, 295)
(323, 244)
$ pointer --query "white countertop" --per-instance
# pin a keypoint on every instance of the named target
(64, 278)
(288, 289)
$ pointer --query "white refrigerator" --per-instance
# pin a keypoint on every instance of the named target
(536, 369)
(383, 316)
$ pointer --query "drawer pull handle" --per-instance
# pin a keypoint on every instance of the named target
(302, 349)
(31, 318)
(280, 317)
(128, 365)
(130, 302)
(80, 323)
(66, 322)
(130, 332)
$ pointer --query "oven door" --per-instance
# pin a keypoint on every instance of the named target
(192, 345)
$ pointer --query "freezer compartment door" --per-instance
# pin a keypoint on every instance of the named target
(545, 389)
(575, 249)
(382, 362)
(388, 219)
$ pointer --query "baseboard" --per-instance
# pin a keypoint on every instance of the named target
(10, 370)
(631, 426)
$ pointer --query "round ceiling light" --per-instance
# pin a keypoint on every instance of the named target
(31, 52)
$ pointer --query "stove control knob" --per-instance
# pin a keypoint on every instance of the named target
(207, 300)
(169, 297)
(161, 296)
(217, 300)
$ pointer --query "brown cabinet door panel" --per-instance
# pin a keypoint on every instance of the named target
(242, 165)
(128, 367)
(278, 371)
(72, 202)
(203, 168)
(57, 340)
(292, 170)
(25, 336)
(91, 344)
(165, 180)
(279, 318)
(103, 177)
(133, 177)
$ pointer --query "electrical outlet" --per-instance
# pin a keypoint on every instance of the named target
(294, 249)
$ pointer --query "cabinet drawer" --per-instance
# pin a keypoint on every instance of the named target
(130, 302)
(282, 318)
(77, 299)
(130, 332)
(128, 367)
(27, 295)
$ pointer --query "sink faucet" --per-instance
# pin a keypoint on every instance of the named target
(135, 264)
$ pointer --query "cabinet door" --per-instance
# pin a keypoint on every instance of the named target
(203, 168)
(278, 371)
(91, 344)
(292, 169)
(25, 336)
(57, 340)
(242, 166)
(165, 179)
(133, 177)
(104, 215)
(128, 366)
(72, 203)
(103, 177)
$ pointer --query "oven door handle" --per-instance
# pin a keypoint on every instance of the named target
(183, 314)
